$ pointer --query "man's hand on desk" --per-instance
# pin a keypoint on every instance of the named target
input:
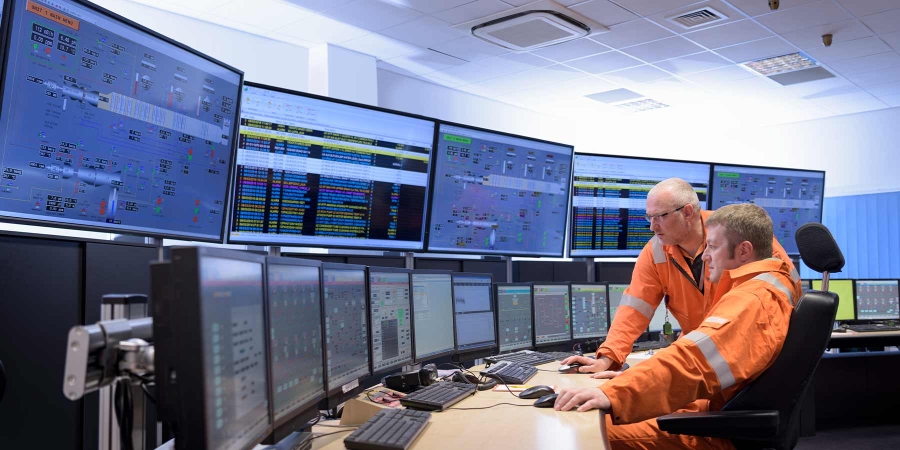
(589, 365)
(588, 398)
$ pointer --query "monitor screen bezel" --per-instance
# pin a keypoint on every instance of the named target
(425, 207)
(338, 391)
(429, 249)
(622, 253)
(534, 286)
(572, 308)
(712, 175)
(496, 287)
(412, 338)
(461, 354)
(856, 317)
(452, 349)
(300, 408)
(8, 12)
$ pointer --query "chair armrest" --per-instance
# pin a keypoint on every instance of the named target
(749, 425)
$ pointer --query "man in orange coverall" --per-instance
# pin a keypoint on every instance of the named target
(738, 339)
(669, 266)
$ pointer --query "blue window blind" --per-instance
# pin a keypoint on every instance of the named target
(867, 229)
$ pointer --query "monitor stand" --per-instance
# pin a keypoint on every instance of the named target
(294, 441)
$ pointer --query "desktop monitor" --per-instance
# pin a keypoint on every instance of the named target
(433, 317)
(844, 290)
(475, 315)
(109, 126)
(346, 330)
(610, 200)
(590, 310)
(876, 300)
(316, 171)
(552, 321)
(805, 285)
(390, 310)
(791, 197)
(211, 333)
(513, 316)
(659, 319)
(616, 291)
(498, 193)
(296, 344)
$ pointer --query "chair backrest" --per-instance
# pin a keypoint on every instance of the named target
(783, 385)
(2, 380)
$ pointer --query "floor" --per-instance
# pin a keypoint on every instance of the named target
(857, 438)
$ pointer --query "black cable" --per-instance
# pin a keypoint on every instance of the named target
(328, 434)
(337, 426)
(486, 407)
(147, 392)
(463, 369)
(124, 408)
(495, 377)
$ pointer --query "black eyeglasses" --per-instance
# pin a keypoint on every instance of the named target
(663, 215)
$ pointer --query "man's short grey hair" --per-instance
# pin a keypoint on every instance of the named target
(682, 192)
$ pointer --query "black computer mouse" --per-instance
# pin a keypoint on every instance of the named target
(546, 401)
(536, 392)
(571, 368)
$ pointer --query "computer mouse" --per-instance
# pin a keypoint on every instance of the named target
(536, 392)
(571, 368)
(546, 401)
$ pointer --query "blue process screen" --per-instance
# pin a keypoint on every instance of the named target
(106, 126)
(499, 194)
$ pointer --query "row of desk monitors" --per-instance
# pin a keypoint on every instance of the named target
(863, 300)
(249, 346)
(110, 126)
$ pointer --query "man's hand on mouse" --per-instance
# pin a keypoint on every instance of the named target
(589, 365)
(588, 398)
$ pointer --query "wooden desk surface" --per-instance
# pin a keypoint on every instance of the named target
(506, 426)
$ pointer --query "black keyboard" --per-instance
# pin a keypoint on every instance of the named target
(390, 429)
(438, 396)
(511, 373)
(869, 327)
(526, 357)
(559, 356)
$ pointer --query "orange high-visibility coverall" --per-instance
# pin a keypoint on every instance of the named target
(662, 271)
(702, 370)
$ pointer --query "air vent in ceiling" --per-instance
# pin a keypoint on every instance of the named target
(697, 17)
(533, 26)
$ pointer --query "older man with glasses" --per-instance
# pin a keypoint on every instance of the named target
(670, 268)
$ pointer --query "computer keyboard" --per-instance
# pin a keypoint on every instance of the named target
(526, 357)
(438, 396)
(649, 345)
(510, 373)
(870, 327)
(559, 356)
(390, 429)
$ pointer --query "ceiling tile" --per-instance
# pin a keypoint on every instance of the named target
(857, 106)
(380, 64)
(756, 7)
(514, 62)
(469, 48)
(580, 87)
(885, 89)
(428, 6)
(719, 76)
(891, 100)
(640, 74)
(472, 11)
(381, 47)
(469, 73)
(851, 94)
(729, 34)
(757, 49)
(845, 30)
(632, 33)
(604, 12)
(604, 62)
(566, 51)
(424, 32)
(530, 79)
(883, 22)
(866, 63)
(876, 77)
(650, 7)
(425, 61)
(693, 63)
(291, 40)
(850, 49)
(893, 39)
(265, 14)
(372, 15)
(614, 95)
(321, 29)
(663, 49)
(861, 8)
(432, 79)
(312, 5)
(233, 24)
(806, 16)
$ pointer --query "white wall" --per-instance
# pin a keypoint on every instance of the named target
(262, 60)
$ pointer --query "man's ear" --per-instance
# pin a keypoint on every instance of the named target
(744, 252)
(689, 211)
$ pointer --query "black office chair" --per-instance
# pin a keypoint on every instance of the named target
(766, 414)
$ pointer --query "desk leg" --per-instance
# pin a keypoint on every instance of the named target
(808, 410)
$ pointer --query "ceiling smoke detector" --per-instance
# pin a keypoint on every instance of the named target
(532, 26)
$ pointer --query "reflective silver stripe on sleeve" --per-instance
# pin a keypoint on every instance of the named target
(659, 254)
(713, 357)
(641, 306)
(795, 276)
(774, 281)
(714, 319)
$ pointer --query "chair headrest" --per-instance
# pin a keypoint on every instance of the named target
(818, 249)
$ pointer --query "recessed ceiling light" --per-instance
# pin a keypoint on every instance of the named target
(641, 105)
(781, 64)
